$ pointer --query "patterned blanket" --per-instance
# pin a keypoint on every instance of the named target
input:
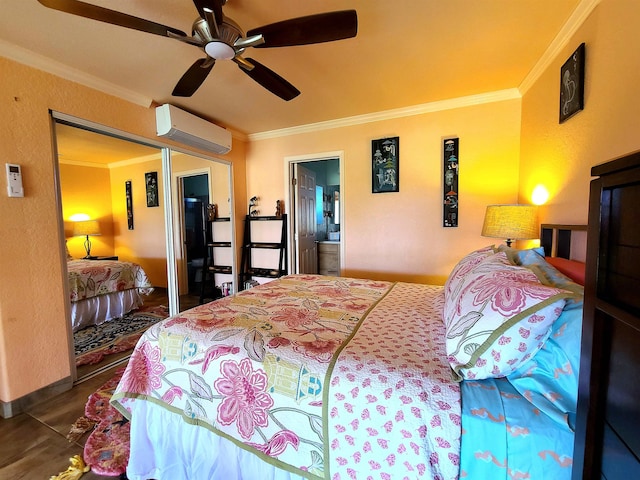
(92, 278)
(322, 376)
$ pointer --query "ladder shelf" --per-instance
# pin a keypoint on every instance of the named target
(210, 266)
(247, 268)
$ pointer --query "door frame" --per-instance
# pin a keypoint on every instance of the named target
(181, 253)
(289, 196)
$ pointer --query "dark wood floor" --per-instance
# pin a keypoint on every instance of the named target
(33, 444)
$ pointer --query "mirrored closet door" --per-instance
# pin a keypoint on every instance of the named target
(135, 223)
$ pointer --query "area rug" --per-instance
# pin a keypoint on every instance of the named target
(93, 343)
(106, 450)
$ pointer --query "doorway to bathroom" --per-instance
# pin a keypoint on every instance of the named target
(318, 220)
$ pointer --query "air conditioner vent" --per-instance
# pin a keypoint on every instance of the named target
(188, 129)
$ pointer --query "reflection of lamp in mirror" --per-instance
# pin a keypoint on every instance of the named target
(511, 222)
(86, 228)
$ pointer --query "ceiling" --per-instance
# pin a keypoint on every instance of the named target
(406, 53)
(84, 147)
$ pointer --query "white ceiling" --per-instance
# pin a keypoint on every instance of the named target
(406, 53)
(83, 147)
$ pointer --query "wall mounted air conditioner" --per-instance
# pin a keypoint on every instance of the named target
(183, 127)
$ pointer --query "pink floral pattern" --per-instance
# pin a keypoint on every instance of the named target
(106, 450)
(464, 266)
(507, 289)
(244, 398)
(498, 318)
(389, 405)
(91, 278)
(394, 410)
(253, 366)
(144, 370)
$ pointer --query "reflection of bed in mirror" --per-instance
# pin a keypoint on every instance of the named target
(101, 290)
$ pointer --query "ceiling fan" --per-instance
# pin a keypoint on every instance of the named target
(222, 39)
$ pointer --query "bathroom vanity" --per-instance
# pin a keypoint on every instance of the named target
(329, 258)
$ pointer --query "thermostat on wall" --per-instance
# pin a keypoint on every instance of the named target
(14, 180)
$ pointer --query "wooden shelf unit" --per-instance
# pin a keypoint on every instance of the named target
(247, 269)
(210, 266)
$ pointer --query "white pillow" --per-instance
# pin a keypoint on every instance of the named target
(498, 318)
(464, 266)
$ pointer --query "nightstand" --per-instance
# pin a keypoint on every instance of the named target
(101, 258)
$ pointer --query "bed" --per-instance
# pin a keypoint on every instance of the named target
(101, 290)
(340, 378)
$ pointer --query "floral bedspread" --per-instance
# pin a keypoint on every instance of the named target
(395, 411)
(322, 376)
(92, 278)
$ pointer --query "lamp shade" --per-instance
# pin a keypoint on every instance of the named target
(511, 222)
(86, 227)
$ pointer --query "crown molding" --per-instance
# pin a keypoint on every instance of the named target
(575, 21)
(79, 163)
(577, 18)
(460, 102)
(40, 62)
(110, 165)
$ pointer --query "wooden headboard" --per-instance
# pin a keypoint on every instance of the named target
(564, 241)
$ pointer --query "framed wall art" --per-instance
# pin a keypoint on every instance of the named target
(151, 181)
(129, 199)
(572, 84)
(385, 165)
(450, 172)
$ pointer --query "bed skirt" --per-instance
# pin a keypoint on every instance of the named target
(185, 453)
(97, 310)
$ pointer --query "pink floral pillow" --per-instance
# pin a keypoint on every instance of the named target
(464, 266)
(498, 318)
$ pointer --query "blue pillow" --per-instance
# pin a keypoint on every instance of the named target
(550, 379)
(517, 257)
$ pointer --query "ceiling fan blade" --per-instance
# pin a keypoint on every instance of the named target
(214, 5)
(269, 79)
(193, 78)
(113, 17)
(323, 27)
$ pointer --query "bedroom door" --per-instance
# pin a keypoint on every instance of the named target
(305, 220)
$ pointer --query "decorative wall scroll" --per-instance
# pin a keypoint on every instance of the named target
(151, 181)
(385, 165)
(572, 85)
(129, 197)
(450, 213)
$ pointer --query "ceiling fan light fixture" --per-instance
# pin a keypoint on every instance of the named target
(219, 50)
(221, 38)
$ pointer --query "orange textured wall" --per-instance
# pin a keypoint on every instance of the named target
(32, 304)
(87, 190)
(560, 156)
(400, 235)
(146, 244)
